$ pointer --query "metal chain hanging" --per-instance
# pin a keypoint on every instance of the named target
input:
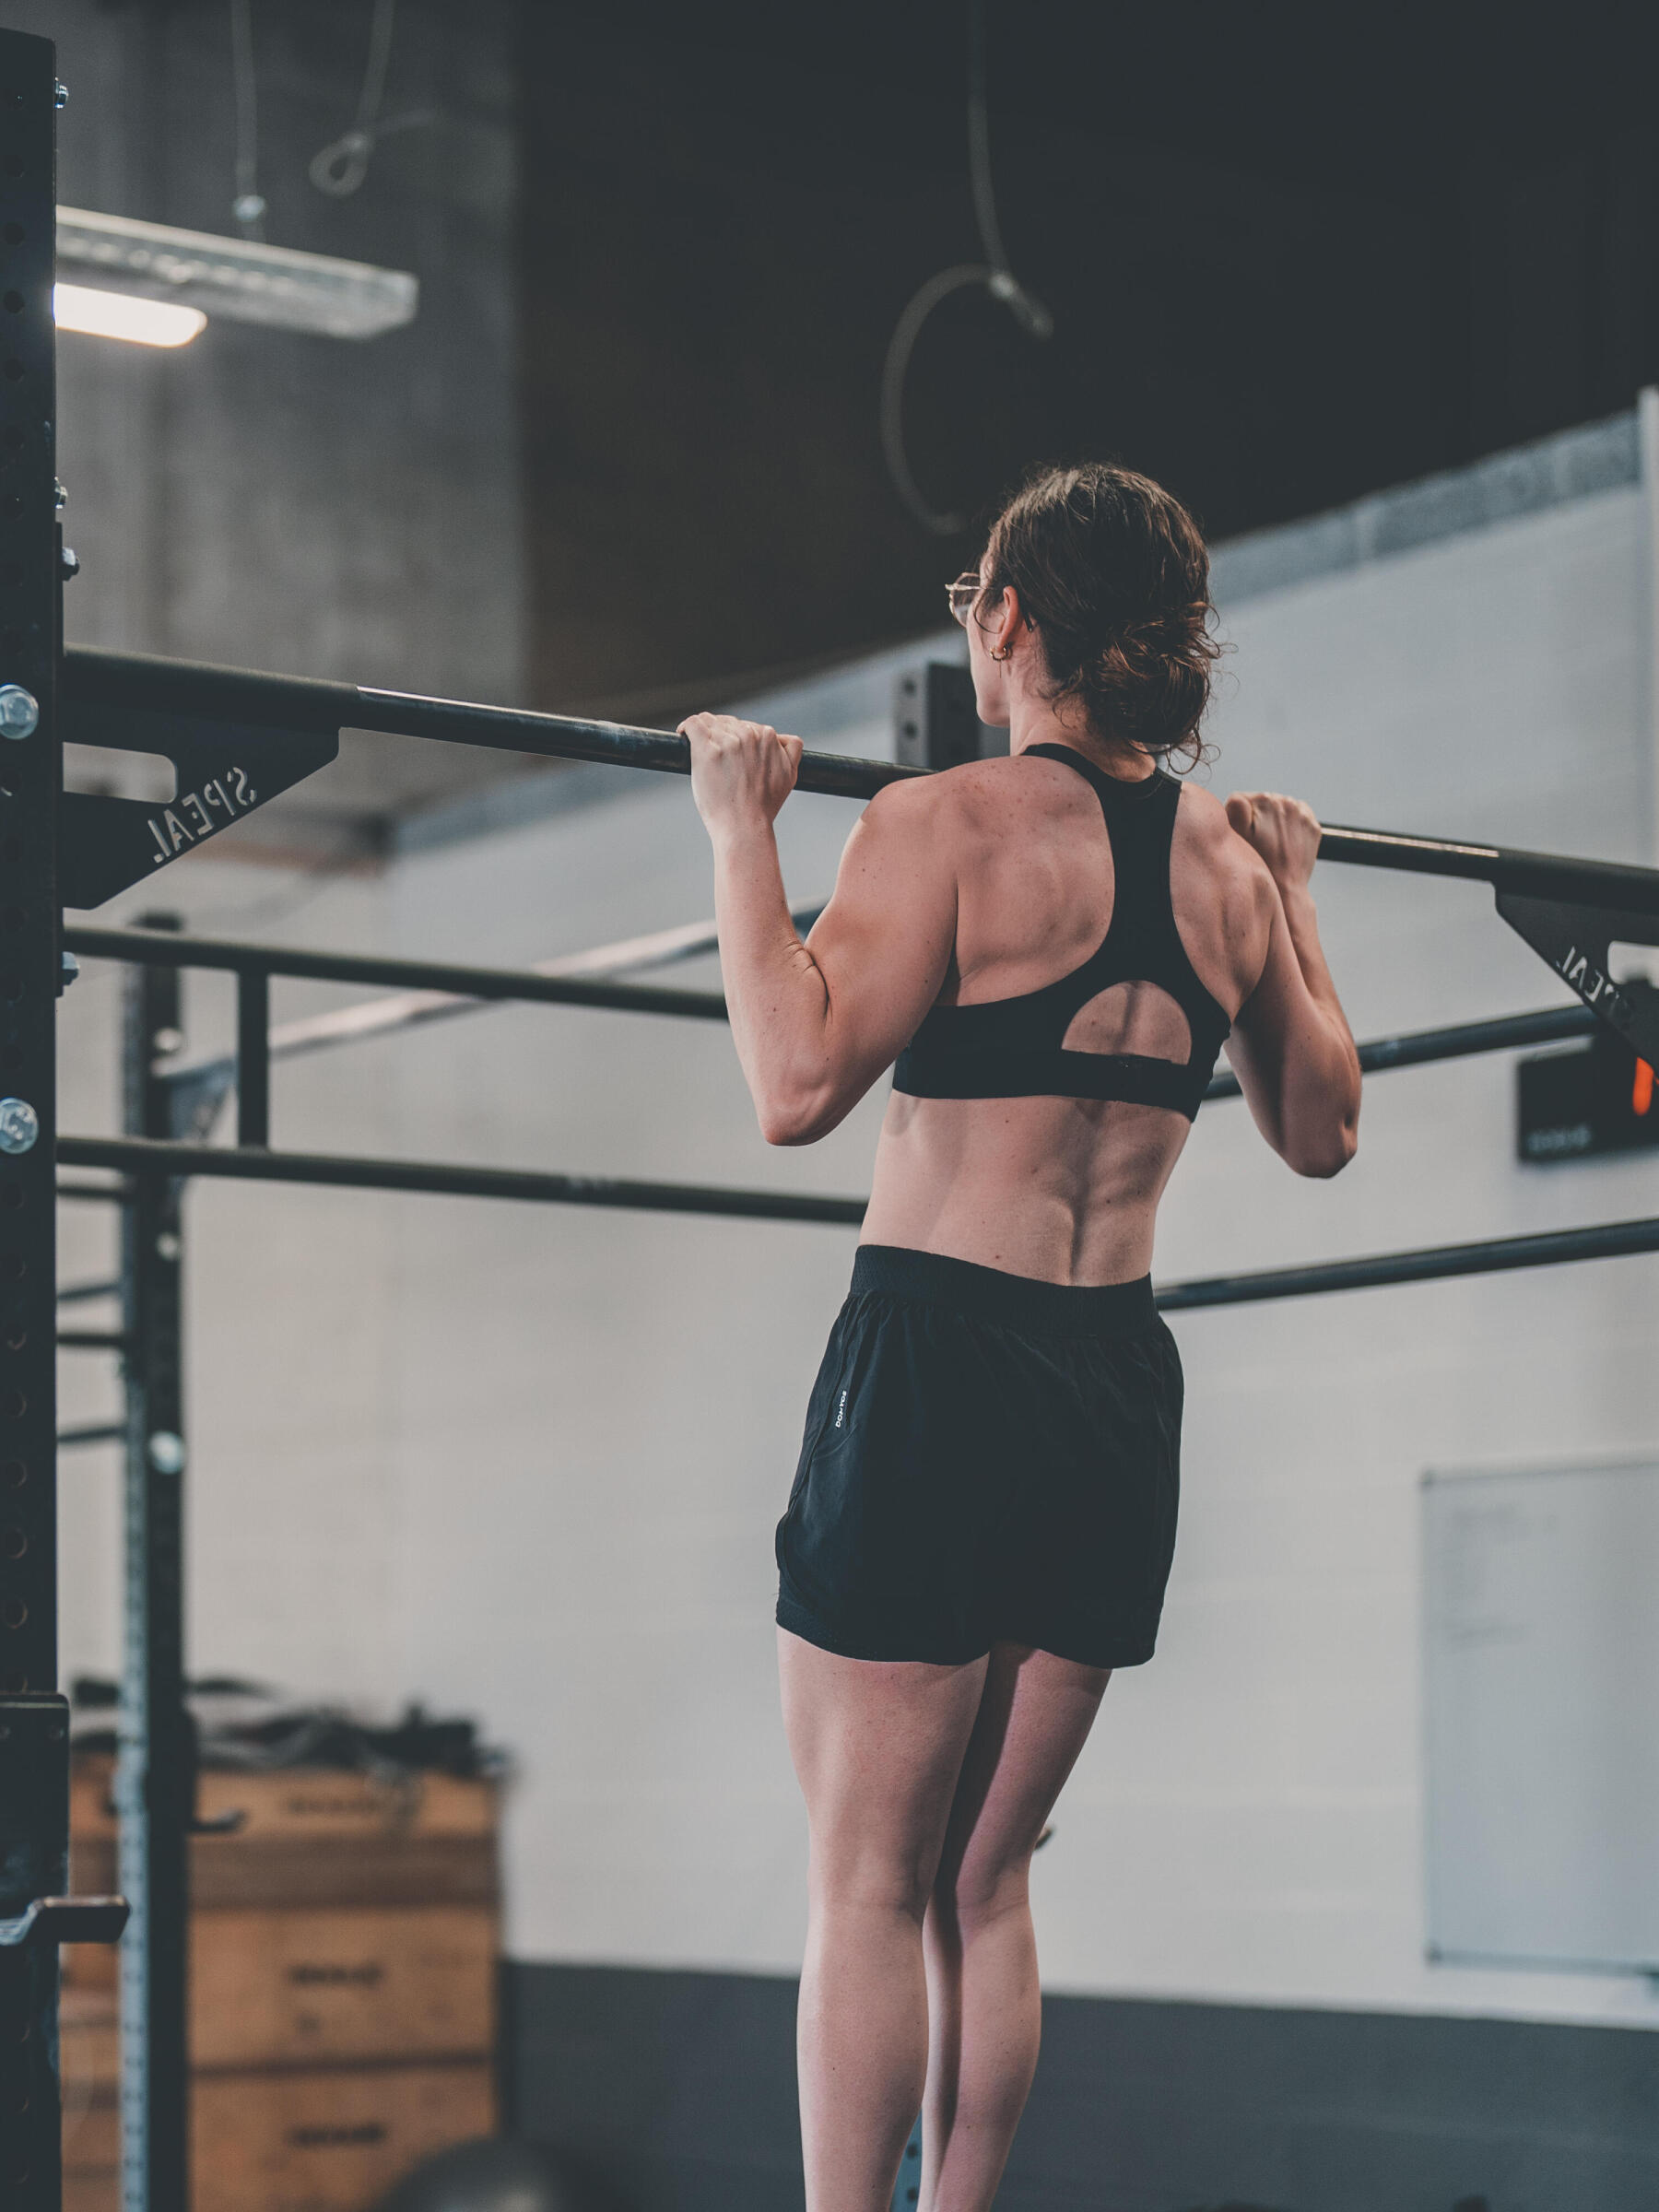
(340, 168)
(247, 206)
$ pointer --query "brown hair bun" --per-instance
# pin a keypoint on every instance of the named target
(1113, 576)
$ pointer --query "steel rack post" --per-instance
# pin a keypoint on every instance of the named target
(34, 1722)
(35, 1914)
(253, 1057)
(156, 1770)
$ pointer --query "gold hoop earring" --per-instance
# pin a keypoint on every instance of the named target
(1007, 654)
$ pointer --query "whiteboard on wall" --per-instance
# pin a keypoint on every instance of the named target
(1542, 1677)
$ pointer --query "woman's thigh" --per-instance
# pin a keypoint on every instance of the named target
(1033, 1719)
(878, 1747)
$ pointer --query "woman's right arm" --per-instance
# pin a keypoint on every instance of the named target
(1291, 1046)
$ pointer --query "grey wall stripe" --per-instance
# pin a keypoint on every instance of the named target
(1574, 464)
(678, 2090)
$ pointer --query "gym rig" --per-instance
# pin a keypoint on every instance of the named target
(236, 740)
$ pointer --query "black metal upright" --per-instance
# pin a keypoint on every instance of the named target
(154, 1784)
(34, 1771)
(253, 1057)
(34, 1730)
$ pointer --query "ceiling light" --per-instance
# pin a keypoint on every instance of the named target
(236, 277)
(125, 315)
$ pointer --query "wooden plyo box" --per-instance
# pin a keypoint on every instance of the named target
(308, 1988)
(89, 2040)
(309, 1805)
(85, 2191)
(327, 2142)
(329, 1986)
(88, 2048)
(343, 1965)
(312, 1836)
(322, 2140)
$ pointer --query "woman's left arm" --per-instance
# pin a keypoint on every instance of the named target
(816, 1023)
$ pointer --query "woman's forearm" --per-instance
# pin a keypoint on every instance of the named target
(775, 992)
(810, 1050)
(1303, 924)
(1330, 1076)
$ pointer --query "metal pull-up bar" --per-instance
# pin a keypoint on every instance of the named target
(236, 737)
(138, 685)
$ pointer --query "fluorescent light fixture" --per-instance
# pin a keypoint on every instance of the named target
(235, 277)
(125, 315)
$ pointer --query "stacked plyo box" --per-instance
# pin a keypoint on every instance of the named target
(343, 1948)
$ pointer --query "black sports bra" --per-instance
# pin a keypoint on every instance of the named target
(1013, 1048)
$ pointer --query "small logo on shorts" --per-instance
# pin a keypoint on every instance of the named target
(841, 1412)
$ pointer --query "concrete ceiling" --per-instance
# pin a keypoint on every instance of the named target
(626, 463)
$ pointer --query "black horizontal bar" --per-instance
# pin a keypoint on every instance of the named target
(150, 1155)
(54, 1920)
(97, 1194)
(142, 1155)
(71, 1294)
(253, 1055)
(568, 737)
(156, 684)
(167, 949)
(1553, 1248)
(192, 687)
(94, 1340)
(1506, 869)
(1416, 1048)
(98, 1433)
(164, 949)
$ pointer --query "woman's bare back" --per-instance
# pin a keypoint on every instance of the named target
(1064, 1189)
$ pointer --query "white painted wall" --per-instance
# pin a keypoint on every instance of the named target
(290, 1304)
(527, 1462)
(1248, 1822)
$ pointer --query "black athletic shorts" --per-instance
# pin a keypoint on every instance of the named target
(986, 1458)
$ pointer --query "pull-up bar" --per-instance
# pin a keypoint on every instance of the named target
(144, 684)
(236, 738)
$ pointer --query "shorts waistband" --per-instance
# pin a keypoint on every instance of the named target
(1017, 1302)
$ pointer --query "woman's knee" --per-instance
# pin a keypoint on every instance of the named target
(861, 1879)
(978, 1890)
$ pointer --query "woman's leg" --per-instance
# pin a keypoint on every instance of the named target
(985, 2003)
(878, 1748)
